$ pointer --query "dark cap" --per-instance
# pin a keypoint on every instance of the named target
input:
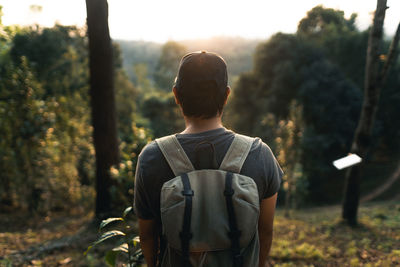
(201, 67)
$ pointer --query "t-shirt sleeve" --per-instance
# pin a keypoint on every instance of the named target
(141, 199)
(272, 171)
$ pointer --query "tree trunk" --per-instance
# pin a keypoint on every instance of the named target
(373, 84)
(102, 101)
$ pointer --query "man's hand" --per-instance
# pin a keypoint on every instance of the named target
(148, 241)
(265, 228)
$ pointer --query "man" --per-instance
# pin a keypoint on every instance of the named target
(201, 91)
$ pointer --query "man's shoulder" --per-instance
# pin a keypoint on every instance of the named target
(150, 152)
(259, 146)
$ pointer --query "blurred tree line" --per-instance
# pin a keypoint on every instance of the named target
(237, 51)
(46, 150)
(302, 96)
(319, 71)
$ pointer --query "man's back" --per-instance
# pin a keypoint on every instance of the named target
(153, 170)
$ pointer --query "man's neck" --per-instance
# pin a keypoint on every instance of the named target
(195, 125)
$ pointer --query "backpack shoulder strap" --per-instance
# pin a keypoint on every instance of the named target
(237, 153)
(174, 154)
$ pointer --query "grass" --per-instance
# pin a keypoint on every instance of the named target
(310, 237)
(317, 237)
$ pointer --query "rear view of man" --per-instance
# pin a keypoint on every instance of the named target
(205, 196)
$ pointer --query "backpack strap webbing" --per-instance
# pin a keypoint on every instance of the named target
(234, 233)
(237, 153)
(185, 234)
(174, 154)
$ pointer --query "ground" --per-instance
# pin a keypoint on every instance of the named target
(316, 237)
(310, 237)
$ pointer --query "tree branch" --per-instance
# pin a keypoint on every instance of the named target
(393, 178)
(391, 57)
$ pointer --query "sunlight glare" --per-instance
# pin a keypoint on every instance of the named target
(160, 20)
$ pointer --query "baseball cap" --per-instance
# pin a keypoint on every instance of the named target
(201, 67)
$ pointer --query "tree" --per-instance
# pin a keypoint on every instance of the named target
(102, 101)
(168, 63)
(320, 20)
(163, 114)
(288, 142)
(289, 67)
(57, 57)
(55, 159)
(339, 39)
(374, 81)
(24, 121)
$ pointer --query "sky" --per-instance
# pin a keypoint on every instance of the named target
(162, 20)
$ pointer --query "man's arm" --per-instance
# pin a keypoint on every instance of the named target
(149, 241)
(265, 228)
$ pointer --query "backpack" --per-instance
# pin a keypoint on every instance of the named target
(210, 216)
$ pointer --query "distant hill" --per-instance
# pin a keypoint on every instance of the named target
(237, 51)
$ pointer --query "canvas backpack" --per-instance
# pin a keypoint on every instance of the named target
(209, 216)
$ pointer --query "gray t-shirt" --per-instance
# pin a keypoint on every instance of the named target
(153, 171)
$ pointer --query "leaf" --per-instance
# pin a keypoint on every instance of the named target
(107, 235)
(108, 221)
(87, 250)
(138, 253)
(127, 210)
(103, 237)
(136, 240)
(123, 248)
(111, 257)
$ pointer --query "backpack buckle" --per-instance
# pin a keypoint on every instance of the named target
(234, 234)
(229, 192)
(188, 192)
(185, 235)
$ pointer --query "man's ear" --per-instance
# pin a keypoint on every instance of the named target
(176, 95)
(228, 91)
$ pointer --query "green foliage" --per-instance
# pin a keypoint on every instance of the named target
(321, 67)
(57, 55)
(168, 63)
(139, 52)
(288, 146)
(321, 21)
(338, 38)
(144, 84)
(26, 137)
(125, 96)
(244, 95)
(288, 68)
(126, 246)
(163, 114)
(47, 157)
(123, 175)
(6, 262)
(46, 150)
(108, 221)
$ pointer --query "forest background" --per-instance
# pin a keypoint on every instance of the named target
(301, 93)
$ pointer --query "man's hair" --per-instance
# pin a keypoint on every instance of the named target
(202, 84)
